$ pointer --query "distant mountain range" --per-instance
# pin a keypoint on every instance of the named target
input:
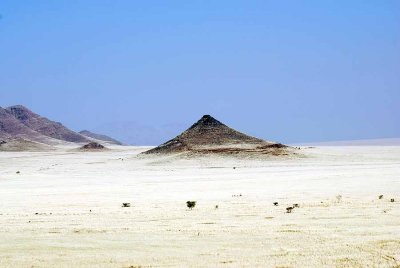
(19, 123)
(22, 128)
(99, 137)
(137, 133)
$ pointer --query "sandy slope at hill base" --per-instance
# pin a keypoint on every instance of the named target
(46, 221)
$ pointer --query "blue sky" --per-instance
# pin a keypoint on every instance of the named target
(142, 71)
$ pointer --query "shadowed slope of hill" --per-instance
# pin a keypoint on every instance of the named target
(100, 137)
(209, 135)
(44, 126)
(20, 144)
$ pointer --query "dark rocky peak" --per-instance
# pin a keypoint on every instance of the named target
(207, 121)
(20, 112)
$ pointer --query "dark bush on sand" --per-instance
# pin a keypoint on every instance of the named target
(191, 204)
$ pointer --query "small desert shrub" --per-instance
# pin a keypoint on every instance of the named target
(296, 205)
(18, 172)
(381, 196)
(275, 203)
(392, 200)
(289, 209)
(216, 206)
(126, 205)
(191, 204)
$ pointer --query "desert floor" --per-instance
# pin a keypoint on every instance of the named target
(64, 210)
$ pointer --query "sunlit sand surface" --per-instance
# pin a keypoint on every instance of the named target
(64, 209)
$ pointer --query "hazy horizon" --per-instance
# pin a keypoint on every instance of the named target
(143, 72)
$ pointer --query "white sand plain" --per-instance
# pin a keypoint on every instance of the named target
(64, 210)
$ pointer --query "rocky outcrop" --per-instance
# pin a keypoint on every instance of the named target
(92, 146)
(210, 136)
